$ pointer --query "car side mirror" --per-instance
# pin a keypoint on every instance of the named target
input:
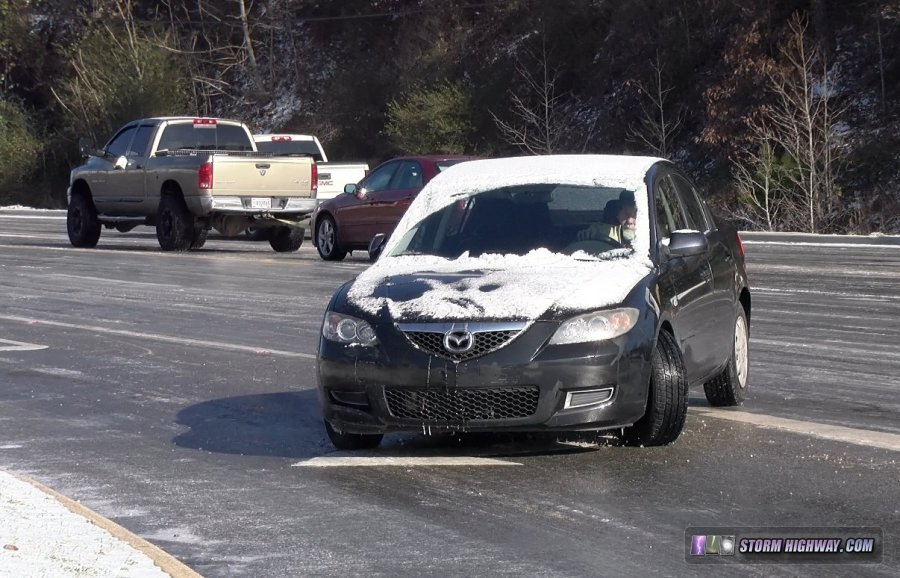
(376, 245)
(351, 189)
(121, 162)
(687, 243)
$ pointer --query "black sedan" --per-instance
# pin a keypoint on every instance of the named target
(552, 293)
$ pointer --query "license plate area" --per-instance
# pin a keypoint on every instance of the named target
(260, 203)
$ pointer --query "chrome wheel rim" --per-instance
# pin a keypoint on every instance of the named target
(326, 237)
(741, 357)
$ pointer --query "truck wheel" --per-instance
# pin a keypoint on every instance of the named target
(326, 240)
(175, 227)
(199, 238)
(730, 386)
(286, 239)
(350, 441)
(667, 401)
(81, 222)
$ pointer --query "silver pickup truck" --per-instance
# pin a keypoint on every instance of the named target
(186, 175)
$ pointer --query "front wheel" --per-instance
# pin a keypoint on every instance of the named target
(351, 441)
(326, 240)
(667, 401)
(286, 239)
(730, 386)
(81, 222)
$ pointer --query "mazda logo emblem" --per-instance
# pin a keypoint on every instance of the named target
(459, 341)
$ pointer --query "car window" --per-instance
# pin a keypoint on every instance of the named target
(222, 137)
(380, 178)
(670, 214)
(141, 141)
(119, 144)
(696, 217)
(408, 176)
(290, 147)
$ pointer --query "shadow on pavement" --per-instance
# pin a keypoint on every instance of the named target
(288, 424)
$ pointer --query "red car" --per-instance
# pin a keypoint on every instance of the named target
(374, 205)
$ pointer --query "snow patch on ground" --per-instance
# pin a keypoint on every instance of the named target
(41, 537)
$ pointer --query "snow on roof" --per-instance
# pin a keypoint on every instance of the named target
(512, 286)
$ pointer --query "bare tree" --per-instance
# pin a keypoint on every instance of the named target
(540, 125)
(759, 181)
(804, 121)
(657, 125)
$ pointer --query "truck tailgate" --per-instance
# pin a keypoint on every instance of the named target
(262, 176)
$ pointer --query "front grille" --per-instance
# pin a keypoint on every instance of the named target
(455, 405)
(485, 342)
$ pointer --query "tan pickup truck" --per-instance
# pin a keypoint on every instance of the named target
(186, 175)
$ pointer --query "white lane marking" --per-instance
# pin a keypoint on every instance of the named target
(812, 244)
(861, 437)
(10, 446)
(116, 281)
(19, 346)
(398, 461)
(839, 294)
(162, 338)
(63, 218)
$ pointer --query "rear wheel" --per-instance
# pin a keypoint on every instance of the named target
(176, 229)
(326, 240)
(730, 386)
(350, 441)
(667, 402)
(81, 222)
(286, 239)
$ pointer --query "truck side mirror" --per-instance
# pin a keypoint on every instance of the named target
(86, 147)
(376, 245)
(350, 189)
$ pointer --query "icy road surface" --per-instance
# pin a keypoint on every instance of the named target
(175, 395)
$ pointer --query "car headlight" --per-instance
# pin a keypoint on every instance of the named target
(348, 330)
(597, 326)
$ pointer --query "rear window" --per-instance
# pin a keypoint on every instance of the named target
(219, 137)
(291, 147)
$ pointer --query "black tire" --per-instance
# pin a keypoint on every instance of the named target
(81, 222)
(350, 441)
(326, 240)
(176, 229)
(286, 239)
(667, 401)
(199, 238)
(730, 386)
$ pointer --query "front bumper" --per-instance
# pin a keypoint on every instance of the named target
(397, 387)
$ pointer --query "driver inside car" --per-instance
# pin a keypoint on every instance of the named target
(619, 227)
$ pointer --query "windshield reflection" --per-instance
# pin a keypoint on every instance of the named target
(585, 222)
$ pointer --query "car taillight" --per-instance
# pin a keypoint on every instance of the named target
(205, 176)
(740, 245)
(314, 178)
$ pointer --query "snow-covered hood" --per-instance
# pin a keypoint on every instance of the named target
(507, 287)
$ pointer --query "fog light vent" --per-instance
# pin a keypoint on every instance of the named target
(588, 397)
(350, 397)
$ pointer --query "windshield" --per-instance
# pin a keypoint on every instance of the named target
(575, 220)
